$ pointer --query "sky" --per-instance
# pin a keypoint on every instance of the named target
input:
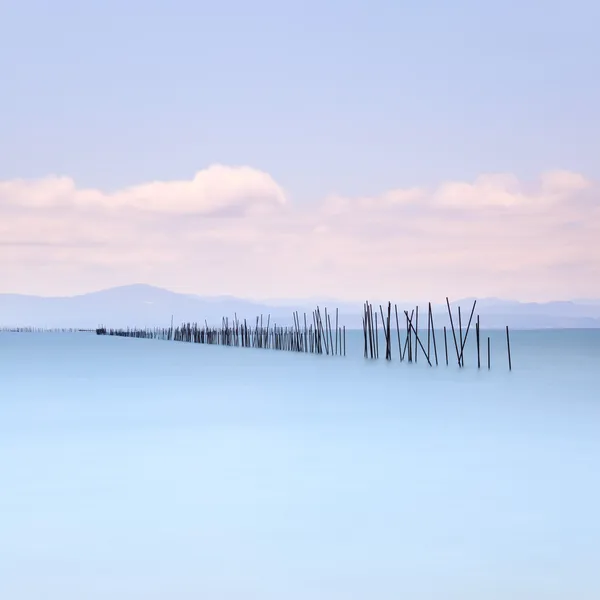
(270, 149)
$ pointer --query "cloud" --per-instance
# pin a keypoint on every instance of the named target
(233, 230)
(487, 190)
(213, 190)
(563, 183)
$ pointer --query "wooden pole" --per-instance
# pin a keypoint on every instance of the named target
(386, 330)
(446, 344)
(429, 330)
(460, 361)
(464, 342)
(331, 334)
(508, 349)
(388, 351)
(433, 335)
(477, 335)
(336, 331)
(453, 331)
(370, 328)
(409, 342)
(416, 330)
(376, 338)
(420, 344)
(398, 331)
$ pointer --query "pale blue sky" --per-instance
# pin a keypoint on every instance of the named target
(353, 97)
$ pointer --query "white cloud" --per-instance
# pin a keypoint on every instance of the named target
(232, 230)
(564, 182)
(215, 189)
(487, 190)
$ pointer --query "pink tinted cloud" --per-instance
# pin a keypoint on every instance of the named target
(234, 230)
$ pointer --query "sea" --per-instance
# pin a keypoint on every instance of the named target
(149, 469)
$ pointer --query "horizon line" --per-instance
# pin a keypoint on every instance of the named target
(228, 296)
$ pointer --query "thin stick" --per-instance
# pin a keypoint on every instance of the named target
(460, 360)
(305, 335)
(463, 344)
(433, 335)
(398, 331)
(336, 331)
(267, 332)
(429, 330)
(419, 341)
(376, 338)
(508, 349)
(327, 330)
(446, 344)
(416, 330)
(384, 329)
(373, 330)
(477, 336)
(370, 327)
(453, 331)
(489, 354)
(322, 338)
(388, 352)
(324, 331)
(408, 343)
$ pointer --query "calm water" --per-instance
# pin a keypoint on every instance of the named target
(146, 469)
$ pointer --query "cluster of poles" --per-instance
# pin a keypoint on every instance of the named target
(318, 337)
(322, 336)
(409, 349)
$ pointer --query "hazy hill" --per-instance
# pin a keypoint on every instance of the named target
(142, 305)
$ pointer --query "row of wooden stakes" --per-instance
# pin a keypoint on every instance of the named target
(317, 338)
(322, 336)
(409, 349)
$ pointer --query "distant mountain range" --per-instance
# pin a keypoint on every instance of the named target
(145, 305)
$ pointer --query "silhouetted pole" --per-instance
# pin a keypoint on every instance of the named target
(446, 344)
(398, 332)
(478, 350)
(508, 349)
(453, 331)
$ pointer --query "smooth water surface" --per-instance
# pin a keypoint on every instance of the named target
(141, 469)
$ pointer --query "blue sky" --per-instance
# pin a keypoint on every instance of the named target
(329, 97)
(326, 96)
